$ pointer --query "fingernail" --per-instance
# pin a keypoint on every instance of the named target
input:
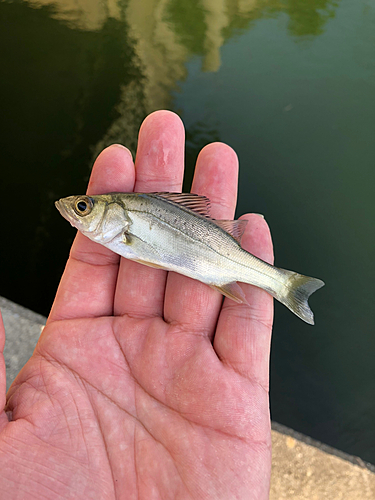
(123, 147)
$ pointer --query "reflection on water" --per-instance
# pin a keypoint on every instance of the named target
(80, 74)
(309, 17)
(166, 33)
(64, 89)
(158, 37)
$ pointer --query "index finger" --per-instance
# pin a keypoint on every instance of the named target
(216, 177)
(159, 167)
(88, 284)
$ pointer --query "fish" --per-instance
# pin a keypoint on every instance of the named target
(174, 232)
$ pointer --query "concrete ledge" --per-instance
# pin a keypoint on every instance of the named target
(305, 469)
(302, 468)
(22, 330)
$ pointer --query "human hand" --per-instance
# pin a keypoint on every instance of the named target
(145, 384)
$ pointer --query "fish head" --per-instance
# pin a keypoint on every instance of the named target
(99, 218)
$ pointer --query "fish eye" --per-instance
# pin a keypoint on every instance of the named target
(83, 206)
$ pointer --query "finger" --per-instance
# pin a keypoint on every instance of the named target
(243, 332)
(89, 280)
(216, 176)
(159, 167)
(3, 381)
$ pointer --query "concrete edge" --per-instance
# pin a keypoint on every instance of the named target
(25, 313)
(303, 438)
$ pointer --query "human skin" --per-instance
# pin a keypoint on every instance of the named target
(145, 384)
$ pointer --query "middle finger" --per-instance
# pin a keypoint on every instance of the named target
(159, 167)
(189, 302)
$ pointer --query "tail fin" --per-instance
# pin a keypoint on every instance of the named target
(298, 289)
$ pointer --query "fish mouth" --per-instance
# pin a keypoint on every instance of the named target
(60, 207)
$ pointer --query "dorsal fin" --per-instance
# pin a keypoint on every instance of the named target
(235, 228)
(197, 203)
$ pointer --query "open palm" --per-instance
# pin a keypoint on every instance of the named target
(145, 384)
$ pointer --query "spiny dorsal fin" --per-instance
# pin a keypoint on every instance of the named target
(201, 205)
(235, 228)
(197, 203)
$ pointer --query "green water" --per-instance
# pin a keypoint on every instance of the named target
(290, 85)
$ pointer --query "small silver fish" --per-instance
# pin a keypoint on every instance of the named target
(173, 231)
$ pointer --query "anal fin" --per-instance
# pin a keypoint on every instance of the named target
(232, 291)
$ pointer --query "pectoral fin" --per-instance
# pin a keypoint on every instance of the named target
(232, 291)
